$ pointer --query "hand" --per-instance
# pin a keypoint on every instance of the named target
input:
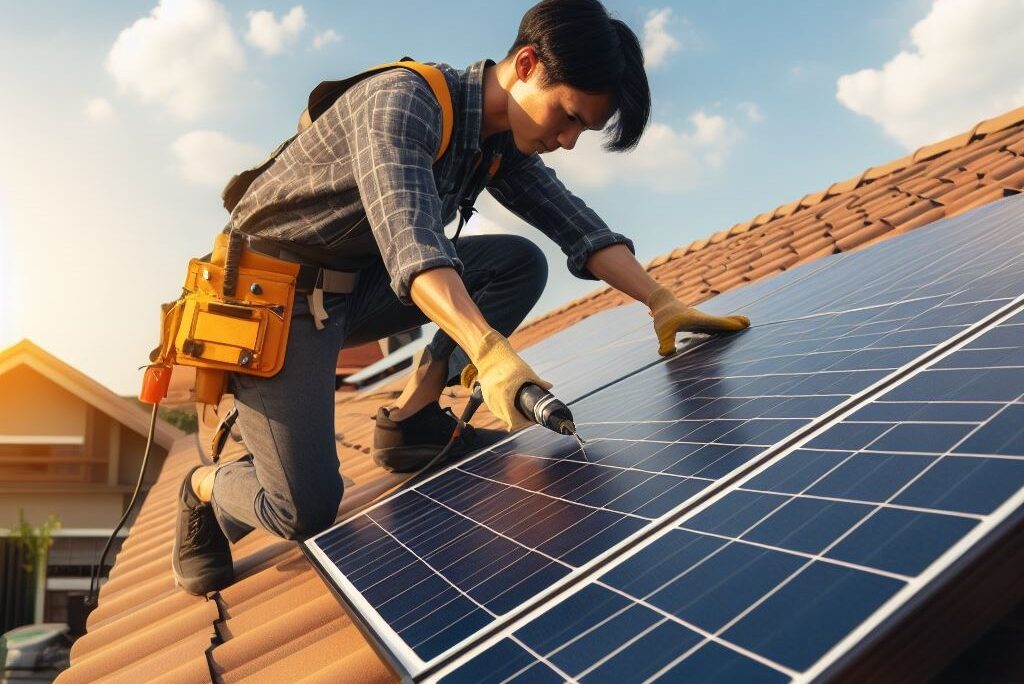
(672, 316)
(501, 372)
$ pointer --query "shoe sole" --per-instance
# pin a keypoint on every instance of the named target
(406, 459)
(411, 458)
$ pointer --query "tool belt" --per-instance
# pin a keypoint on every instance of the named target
(235, 310)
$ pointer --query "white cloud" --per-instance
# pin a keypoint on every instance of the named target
(666, 160)
(325, 38)
(962, 66)
(270, 35)
(211, 158)
(99, 109)
(184, 55)
(751, 111)
(658, 43)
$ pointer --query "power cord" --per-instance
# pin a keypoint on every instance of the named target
(97, 570)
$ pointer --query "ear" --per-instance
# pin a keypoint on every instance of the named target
(526, 62)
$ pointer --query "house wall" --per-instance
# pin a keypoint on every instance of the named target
(99, 510)
(30, 404)
(91, 498)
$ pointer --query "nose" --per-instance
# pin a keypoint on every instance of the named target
(568, 137)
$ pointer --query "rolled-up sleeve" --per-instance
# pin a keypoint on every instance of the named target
(529, 189)
(393, 142)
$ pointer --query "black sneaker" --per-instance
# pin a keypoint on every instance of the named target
(202, 557)
(409, 444)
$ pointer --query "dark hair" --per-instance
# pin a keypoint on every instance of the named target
(581, 46)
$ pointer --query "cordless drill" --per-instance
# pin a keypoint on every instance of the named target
(533, 401)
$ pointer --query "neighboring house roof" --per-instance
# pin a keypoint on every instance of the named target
(353, 359)
(136, 418)
(279, 622)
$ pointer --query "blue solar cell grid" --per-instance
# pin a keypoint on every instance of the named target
(432, 567)
(762, 583)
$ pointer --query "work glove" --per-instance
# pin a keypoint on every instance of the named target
(672, 316)
(501, 372)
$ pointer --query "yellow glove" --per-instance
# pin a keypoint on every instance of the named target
(672, 316)
(500, 372)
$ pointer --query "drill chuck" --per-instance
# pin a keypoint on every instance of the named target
(541, 407)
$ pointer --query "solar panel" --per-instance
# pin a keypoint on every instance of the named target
(437, 568)
(767, 581)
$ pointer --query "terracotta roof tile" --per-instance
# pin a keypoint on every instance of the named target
(909, 213)
(958, 191)
(1016, 147)
(864, 233)
(1005, 168)
(876, 172)
(787, 209)
(741, 228)
(846, 185)
(697, 245)
(278, 622)
(1014, 182)
(935, 149)
(921, 186)
(816, 250)
(1000, 123)
(934, 212)
(982, 195)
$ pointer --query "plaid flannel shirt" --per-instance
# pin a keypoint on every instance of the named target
(360, 184)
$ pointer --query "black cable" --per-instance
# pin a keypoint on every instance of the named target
(475, 399)
(97, 570)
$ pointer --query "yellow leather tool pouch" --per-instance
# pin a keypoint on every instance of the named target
(245, 333)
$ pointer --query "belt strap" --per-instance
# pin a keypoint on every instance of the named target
(311, 276)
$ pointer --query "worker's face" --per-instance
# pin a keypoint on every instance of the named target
(543, 119)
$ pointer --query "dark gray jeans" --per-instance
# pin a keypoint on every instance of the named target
(289, 483)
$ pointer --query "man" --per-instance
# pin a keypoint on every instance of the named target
(360, 186)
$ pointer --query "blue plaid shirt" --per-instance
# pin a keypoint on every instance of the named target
(361, 184)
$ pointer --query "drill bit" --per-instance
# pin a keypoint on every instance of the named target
(569, 428)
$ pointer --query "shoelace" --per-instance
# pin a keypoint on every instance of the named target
(196, 526)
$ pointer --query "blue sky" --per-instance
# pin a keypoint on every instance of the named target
(123, 120)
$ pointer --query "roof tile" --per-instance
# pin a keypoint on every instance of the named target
(1016, 147)
(1007, 167)
(1014, 182)
(788, 209)
(876, 172)
(922, 186)
(720, 236)
(960, 190)
(909, 213)
(935, 149)
(866, 233)
(813, 198)
(846, 185)
(980, 196)
(1011, 118)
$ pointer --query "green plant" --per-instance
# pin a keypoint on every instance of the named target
(184, 419)
(35, 540)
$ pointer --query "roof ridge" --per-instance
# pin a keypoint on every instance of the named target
(873, 173)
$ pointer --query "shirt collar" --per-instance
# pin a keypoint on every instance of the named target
(470, 113)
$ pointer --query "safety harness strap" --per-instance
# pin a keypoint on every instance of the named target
(325, 95)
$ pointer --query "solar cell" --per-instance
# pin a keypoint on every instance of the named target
(778, 570)
(436, 568)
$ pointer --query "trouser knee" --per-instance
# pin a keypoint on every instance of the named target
(313, 513)
(531, 260)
